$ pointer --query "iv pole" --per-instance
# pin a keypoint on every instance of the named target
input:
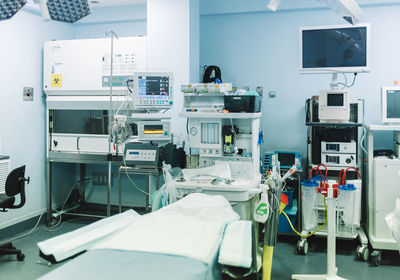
(112, 34)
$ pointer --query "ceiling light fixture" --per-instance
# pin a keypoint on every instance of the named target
(64, 10)
(349, 10)
(8, 8)
(273, 5)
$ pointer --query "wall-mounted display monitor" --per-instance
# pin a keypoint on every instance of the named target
(330, 49)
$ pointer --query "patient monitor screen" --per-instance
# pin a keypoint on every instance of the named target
(335, 99)
(153, 85)
(393, 104)
(286, 159)
(153, 129)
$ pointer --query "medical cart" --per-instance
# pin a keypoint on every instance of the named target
(383, 187)
(348, 135)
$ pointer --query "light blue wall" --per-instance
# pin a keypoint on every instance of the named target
(125, 21)
(22, 125)
(261, 48)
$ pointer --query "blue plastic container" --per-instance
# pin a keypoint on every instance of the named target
(290, 197)
(292, 214)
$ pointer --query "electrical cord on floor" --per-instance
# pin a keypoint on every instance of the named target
(25, 234)
(60, 226)
(312, 233)
(129, 178)
(54, 227)
(56, 224)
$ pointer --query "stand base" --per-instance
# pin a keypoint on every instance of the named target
(316, 276)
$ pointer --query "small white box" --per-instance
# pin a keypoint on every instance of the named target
(345, 160)
(339, 147)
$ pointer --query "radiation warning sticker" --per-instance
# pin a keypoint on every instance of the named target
(56, 80)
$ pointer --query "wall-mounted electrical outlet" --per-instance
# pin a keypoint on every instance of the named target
(99, 179)
(28, 94)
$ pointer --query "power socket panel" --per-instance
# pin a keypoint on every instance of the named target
(99, 179)
(28, 94)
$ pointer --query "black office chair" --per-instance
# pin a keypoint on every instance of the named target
(15, 184)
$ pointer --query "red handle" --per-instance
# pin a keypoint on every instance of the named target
(317, 169)
(344, 174)
(326, 171)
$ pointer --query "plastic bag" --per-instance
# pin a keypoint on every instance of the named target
(393, 221)
(170, 174)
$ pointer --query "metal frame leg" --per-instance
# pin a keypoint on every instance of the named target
(148, 191)
(49, 193)
(120, 192)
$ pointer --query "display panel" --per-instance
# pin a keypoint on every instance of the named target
(393, 104)
(153, 90)
(390, 105)
(153, 129)
(286, 159)
(333, 147)
(153, 85)
(332, 159)
(335, 99)
(334, 49)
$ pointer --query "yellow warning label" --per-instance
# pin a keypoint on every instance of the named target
(56, 80)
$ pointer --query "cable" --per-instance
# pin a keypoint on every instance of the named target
(345, 84)
(55, 225)
(133, 184)
(61, 226)
(361, 142)
(364, 130)
(312, 233)
(127, 84)
(25, 234)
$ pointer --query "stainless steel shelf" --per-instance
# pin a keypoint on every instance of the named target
(220, 115)
(82, 158)
(334, 124)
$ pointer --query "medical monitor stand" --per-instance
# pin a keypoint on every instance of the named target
(334, 83)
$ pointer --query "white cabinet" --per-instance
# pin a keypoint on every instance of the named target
(386, 188)
(383, 187)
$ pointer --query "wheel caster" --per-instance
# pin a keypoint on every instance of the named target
(362, 252)
(376, 258)
(20, 257)
(302, 247)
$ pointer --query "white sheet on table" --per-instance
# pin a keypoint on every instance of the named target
(192, 227)
(221, 169)
(71, 243)
(237, 245)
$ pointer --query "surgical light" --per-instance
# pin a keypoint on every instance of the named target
(65, 10)
(273, 5)
(8, 8)
(347, 9)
